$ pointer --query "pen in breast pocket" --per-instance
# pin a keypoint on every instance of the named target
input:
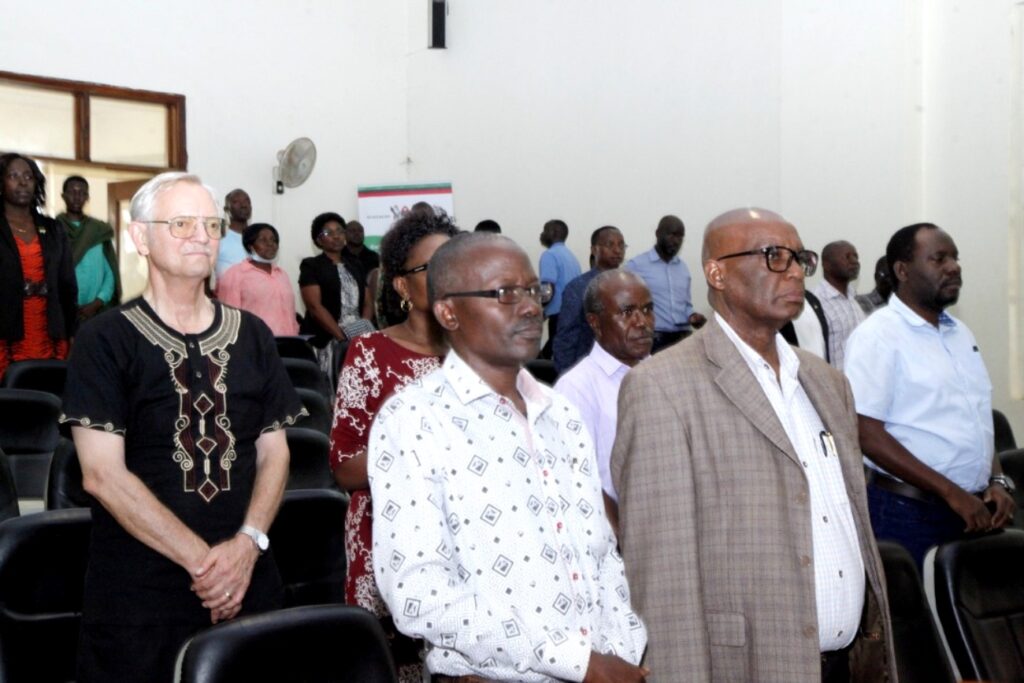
(828, 444)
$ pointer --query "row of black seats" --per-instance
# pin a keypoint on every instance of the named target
(42, 568)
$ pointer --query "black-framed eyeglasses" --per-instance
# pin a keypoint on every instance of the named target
(417, 269)
(183, 227)
(541, 293)
(779, 259)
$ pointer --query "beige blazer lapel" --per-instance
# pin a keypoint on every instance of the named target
(740, 386)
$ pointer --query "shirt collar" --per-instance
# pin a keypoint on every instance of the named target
(469, 386)
(915, 320)
(653, 256)
(829, 290)
(609, 364)
(789, 362)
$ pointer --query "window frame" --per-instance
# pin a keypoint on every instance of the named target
(177, 153)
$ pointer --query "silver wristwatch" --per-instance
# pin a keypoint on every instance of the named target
(1003, 481)
(261, 540)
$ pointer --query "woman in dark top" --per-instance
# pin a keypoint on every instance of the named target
(38, 292)
(332, 287)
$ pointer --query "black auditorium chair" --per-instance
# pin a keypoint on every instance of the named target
(41, 375)
(309, 468)
(313, 644)
(28, 434)
(64, 483)
(295, 347)
(920, 655)
(8, 494)
(308, 375)
(977, 591)
(308, 543)
(1004, 432)
(319, 409)
(1012, 462)
(543, 371)
(42, 568)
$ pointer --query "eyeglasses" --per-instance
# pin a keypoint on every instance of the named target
(541, 293)
(337, 232)
(779, 259)
(417, 269)
(628, 312)
(183, 227)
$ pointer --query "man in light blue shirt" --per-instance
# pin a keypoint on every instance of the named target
(669, 281)
(924, 404)
(620, 311)
(239, 209)
(558, 267)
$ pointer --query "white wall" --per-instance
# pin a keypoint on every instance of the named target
(852, 119)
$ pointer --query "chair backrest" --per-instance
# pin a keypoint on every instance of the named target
(308, 375)
(28, 434)
(40, 375)
(977, 592)
(42, 570)
(543, 371)
(308, 543)
(1012, 462)
(309, 468)
(295, 347)
(317, 643)
(64, 482)
(1004, 432)
(920, 655)
(319, 409)
(8, 491)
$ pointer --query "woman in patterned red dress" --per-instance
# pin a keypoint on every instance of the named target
(38, 292)
(377, 365)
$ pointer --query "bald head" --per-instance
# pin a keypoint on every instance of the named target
(727, 226)
(739, 246)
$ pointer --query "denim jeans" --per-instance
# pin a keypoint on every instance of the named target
(914, 524)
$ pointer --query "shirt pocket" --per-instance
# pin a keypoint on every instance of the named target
(725, 628)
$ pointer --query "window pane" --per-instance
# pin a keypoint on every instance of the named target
(37, 121)
(126, 132)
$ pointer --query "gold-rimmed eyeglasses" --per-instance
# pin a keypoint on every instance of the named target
(184, 227)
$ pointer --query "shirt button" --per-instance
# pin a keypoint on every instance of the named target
(583, 631)
(805, 561)
(191, 345)
(809, 631)
(199, 375)
(559, 526)
(575, 576)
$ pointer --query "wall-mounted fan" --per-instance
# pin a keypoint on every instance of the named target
(295, 163)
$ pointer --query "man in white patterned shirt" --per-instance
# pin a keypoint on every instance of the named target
(490, 540)
(841, 266)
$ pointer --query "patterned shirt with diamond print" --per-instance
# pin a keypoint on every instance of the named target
(190, 408)
(490, 539)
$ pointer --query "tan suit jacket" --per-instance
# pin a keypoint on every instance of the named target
(715, 520)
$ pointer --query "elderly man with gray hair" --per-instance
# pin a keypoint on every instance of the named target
(620, 311)
(177, 405)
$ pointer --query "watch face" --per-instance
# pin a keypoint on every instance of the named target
(262, 542)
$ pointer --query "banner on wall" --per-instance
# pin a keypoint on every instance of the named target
(380, 206)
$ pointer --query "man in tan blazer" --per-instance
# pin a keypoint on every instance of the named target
(744, 521)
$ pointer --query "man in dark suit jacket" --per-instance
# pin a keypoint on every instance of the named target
(744, 522)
